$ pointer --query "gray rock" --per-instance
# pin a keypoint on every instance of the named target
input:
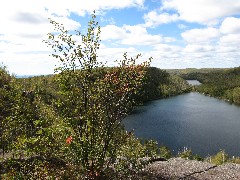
(178, 168)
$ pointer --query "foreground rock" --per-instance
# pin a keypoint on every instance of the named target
(178, 168)
(174, 168)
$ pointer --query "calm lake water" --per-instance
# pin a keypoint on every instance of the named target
(202, 123)
(193, 82)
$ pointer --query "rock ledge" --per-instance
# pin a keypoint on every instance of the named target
(178, 168)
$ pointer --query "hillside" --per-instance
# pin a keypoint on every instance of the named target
(223, 84)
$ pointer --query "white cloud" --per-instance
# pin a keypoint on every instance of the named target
(182, 26)
(196, 48)
(28, 64)
(208, 47)
(167, 48)
(129, 35)
(199, 51)
(153, 19)
(112, 32)
(200, 35)
(109, 55)
(138, 35)
(24, 47)
(227, 49)
(230, 39)
(203, 11)
(25, 23)
(81, 7)
(107, 20)
(169, 39)
(229, 44)
(230, 25)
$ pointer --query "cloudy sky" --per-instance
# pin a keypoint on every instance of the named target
(176, 33)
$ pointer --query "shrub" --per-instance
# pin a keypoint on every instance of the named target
(93, 107)
(220, 158)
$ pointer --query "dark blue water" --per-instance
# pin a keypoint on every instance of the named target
(201, 123)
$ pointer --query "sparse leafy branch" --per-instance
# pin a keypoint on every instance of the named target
(93, 106)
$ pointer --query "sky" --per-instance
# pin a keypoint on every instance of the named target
(176, 33)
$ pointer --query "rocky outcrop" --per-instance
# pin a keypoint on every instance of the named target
(178, 168)
(172, 169)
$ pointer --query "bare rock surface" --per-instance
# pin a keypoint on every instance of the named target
(178, 168)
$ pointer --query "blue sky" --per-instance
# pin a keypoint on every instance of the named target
(176, 33)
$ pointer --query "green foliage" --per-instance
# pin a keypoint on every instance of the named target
(154, 78)
(220, 158)
(188, 154)
(93, 106)
(220, 83)
(5, 104)
(198, 157)
(233, 95)
(36, 168)
(160, 84)
(8, 95)
(185, 153)
(165, 152)
(32, 126)
(235, 160)
(132, 157)
(44, 86)
(190, 73)
(175, 86)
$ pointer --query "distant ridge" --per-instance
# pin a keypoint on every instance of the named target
(25, 76)
(28, 76)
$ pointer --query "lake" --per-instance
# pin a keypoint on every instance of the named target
(193, 82)
(204, 124)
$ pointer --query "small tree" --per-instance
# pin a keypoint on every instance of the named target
(220, 158)
(93, 105)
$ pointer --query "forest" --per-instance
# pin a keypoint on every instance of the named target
(219, 83)
(32, 116)
(68, 125)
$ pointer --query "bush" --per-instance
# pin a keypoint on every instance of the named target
(93, 107)
(165, 152)
(220, 158)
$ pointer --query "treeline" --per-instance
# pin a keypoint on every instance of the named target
(160, 84)
(157, 84)
(224, 84)
(187, 71)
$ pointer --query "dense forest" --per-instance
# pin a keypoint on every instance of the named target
(219, 83)
(31, 108)
(157, 84)
(160, 84)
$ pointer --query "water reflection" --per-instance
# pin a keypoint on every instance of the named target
(203, 123)
(193, 82)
